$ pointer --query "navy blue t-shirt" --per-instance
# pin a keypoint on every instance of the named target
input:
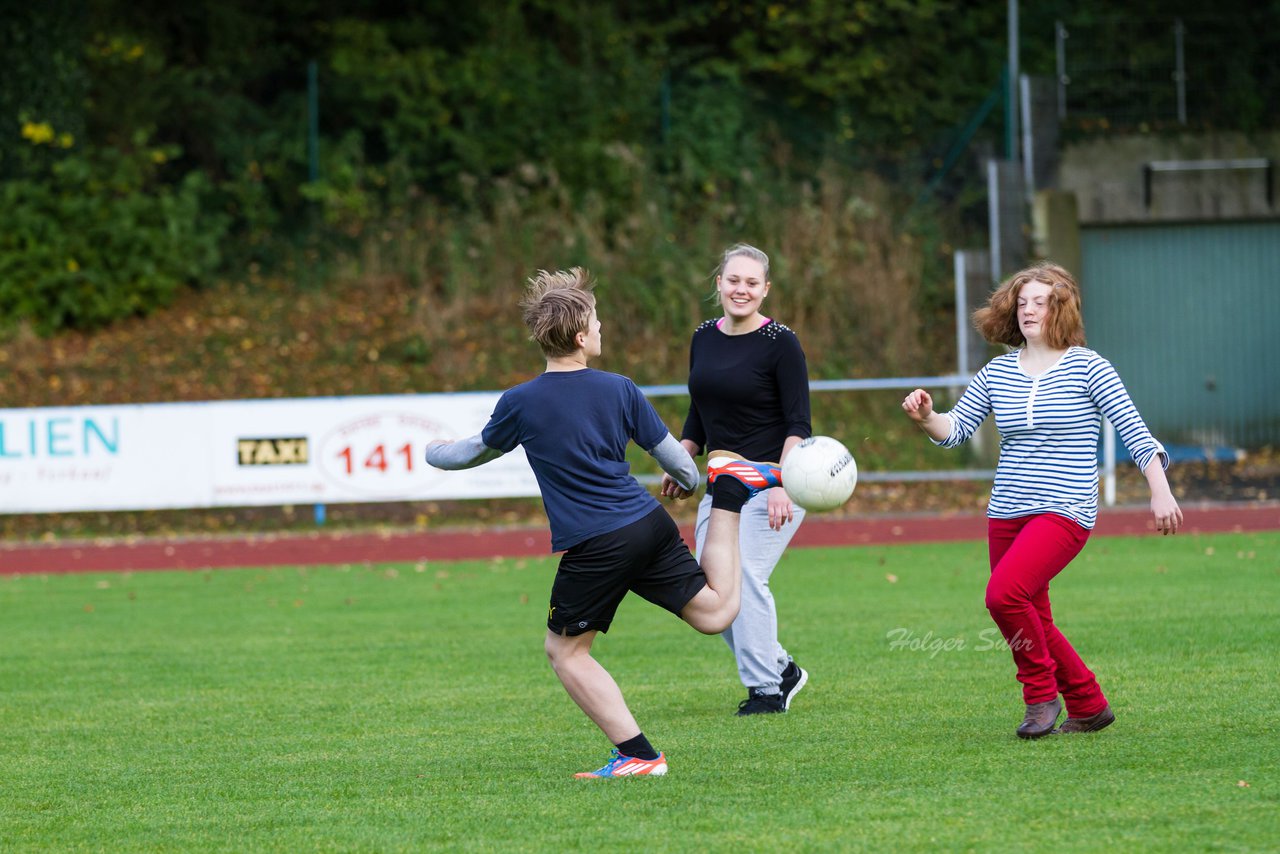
(574, 426)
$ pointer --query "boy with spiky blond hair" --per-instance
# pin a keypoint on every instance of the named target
(574, 423)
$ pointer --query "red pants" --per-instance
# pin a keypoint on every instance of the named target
(1026, 554)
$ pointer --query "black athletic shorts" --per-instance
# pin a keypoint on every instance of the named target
(647, 557)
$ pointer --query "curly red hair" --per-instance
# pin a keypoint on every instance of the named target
(997, 321)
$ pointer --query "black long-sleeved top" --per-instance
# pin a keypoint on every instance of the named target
(749, 392)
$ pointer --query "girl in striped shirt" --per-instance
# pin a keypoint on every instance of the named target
(1048, 396)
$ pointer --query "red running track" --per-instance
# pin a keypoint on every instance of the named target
(364, 547)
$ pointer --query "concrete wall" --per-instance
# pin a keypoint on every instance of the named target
(1107, 178)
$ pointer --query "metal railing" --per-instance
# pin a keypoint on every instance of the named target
(1151, 167)
(952, 382)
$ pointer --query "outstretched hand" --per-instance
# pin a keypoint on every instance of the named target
(918, 405)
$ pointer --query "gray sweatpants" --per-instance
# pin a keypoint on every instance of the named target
(753, 637)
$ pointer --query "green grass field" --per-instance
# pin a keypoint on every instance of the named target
(409, 708)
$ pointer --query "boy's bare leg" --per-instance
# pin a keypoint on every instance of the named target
(735, 480)
(590, 685)
(715, 606)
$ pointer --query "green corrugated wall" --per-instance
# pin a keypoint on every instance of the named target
(1190, 317)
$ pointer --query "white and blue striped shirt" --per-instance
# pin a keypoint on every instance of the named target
(1049, 427)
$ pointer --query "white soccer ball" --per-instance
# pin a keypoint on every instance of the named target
(819, 473)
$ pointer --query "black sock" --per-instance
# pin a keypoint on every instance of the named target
(639, 747)
(729, 494)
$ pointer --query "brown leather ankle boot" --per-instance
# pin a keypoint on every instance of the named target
(1041, 719)
(1093, 723)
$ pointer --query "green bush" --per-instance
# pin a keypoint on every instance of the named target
(95, 237)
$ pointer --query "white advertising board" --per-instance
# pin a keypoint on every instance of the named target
(248, 452)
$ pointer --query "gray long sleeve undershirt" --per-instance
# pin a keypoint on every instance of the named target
(470, 452)
(462, 454)
(675, 461)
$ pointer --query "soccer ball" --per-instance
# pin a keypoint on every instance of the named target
(819, 473)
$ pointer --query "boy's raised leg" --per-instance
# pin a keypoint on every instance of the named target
(715, 606)
(735, 480)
